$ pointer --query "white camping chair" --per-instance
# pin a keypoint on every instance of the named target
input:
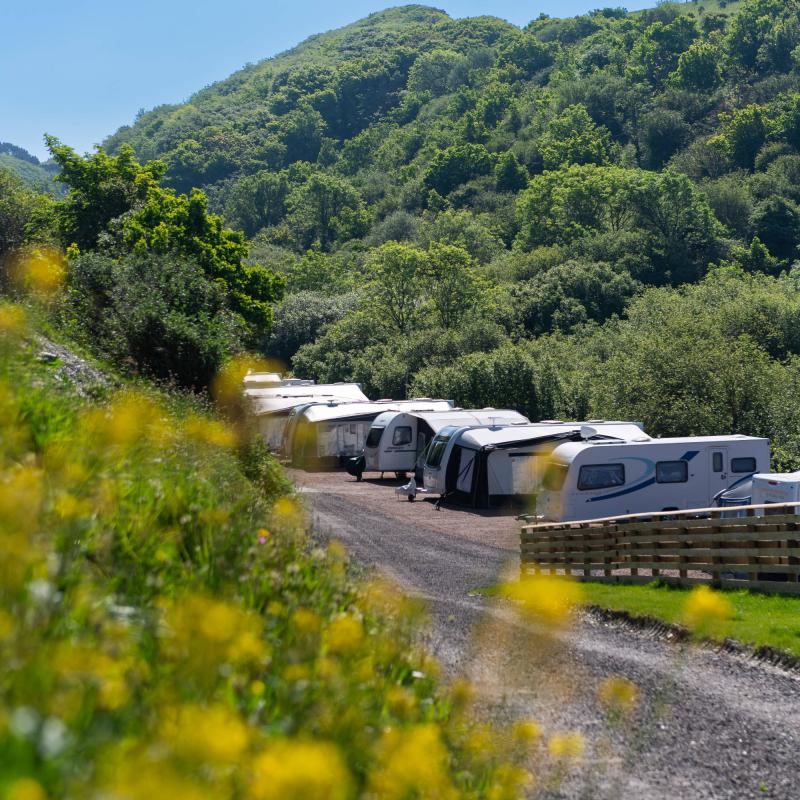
(410, 490)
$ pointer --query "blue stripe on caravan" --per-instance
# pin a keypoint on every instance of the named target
(623, 491)
(689, 455)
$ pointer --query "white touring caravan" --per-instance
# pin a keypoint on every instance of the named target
(398, 439)
(591, 479)
(320, 435)
(492, 465)
(271, 407)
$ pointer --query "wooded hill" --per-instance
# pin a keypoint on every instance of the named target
(595, 216)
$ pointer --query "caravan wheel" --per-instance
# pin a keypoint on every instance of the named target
(411, 498)
(359, 477)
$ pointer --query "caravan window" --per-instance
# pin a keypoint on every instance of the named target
(374, 436)
(672, 472)
(601, 476)
(402, 435)
(436, 452)
(743, 465)
(717, 462)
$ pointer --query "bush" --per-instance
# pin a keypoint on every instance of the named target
(161, 315)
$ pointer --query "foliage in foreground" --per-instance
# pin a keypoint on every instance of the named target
(165, 631)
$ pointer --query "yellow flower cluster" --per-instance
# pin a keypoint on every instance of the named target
(548, 600)
(618, 695)
(706, 611)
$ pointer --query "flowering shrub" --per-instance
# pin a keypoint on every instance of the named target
(167, 631)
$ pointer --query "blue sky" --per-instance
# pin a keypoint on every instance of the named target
(80, 69)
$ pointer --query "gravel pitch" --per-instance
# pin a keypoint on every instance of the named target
(709, 724)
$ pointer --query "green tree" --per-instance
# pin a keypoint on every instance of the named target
(744, 132)
(699, 68)
(508, 377)
(566, 204)
(453, 284)
(657, 51)
(749, 29)
(396, 274)
(161, 314)
(455, 165)
(144, 218)
(573, 138)
(776, 223)
(572, 293)
(26, 216)
(431, 72)
(257, 201)
(326, 209)
(509, 174)
(101, 188)
(527, 53)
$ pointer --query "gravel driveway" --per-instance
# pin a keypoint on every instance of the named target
(709, 724)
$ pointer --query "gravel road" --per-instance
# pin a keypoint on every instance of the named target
(709, 724)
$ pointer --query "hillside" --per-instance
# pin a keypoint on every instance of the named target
(28, 168)
(593, 217)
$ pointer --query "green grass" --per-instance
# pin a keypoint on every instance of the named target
(759, 620)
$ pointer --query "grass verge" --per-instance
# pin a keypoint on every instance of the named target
(758, 620)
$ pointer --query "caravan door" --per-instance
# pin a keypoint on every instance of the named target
(718, 470)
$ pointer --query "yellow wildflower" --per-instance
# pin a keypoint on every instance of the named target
(6, 624)
(209, 431)
(706, 611)
(566, 746)
(345, 635)
(206, 634)
(527, 731)
(618, 695)
(67, 506)
(26, 789)
(300, 771)
(401, 701)
(140, 777)
(510, 783)
(212, 734)
(41, 271)
(413, 763)
(305, 621)
(547, 599)
(13, 322)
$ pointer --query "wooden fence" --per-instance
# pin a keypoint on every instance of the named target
(682, 547)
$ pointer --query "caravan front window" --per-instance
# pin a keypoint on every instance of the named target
(436, 451)
(601, 476)
(374, 436)
(402, 435)
(743, 465)
(672, 472)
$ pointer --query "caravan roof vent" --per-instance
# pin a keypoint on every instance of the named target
(587, 431)
(551, 422)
